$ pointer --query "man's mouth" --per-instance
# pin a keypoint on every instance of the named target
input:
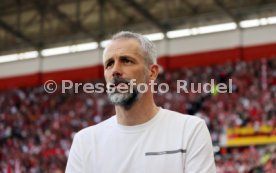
(119, 84)
(120, 81)
(122, 86)
(116, 84)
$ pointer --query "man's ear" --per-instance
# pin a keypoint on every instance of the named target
(154, 71)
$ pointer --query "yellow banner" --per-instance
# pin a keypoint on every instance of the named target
(250, 130)
(252, 140)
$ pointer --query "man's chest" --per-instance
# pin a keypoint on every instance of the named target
(144, 152)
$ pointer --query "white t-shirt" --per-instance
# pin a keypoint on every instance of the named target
(168, 143)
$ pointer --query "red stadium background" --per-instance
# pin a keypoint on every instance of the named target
(36, 128)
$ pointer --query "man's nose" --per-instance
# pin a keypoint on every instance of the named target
(116, 70)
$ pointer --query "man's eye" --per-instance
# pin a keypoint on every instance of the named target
(108, 64)
(127, 61)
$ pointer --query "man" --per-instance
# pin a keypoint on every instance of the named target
(141, 137)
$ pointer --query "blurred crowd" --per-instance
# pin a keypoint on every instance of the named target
(252, 159)
(36, 128)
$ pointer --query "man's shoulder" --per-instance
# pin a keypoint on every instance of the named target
(184, 118)
(97, 127)
(183, 123)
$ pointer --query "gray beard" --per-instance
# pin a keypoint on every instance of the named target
(125, 100)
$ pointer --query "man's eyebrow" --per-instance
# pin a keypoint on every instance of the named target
(120, 57)
(108, 60)
(126, 56)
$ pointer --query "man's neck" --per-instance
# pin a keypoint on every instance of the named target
(140, 112)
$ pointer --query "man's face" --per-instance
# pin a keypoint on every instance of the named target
(123, 61)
